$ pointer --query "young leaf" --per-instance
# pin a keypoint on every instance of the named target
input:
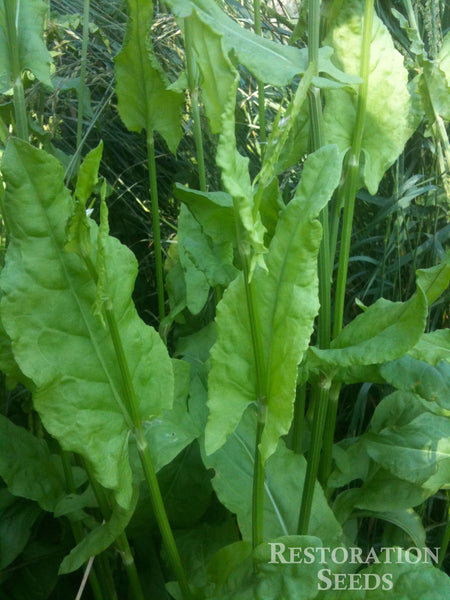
(287, 303)
(144, 100)
(33, 55)
(46, 307)
(88, 175)
(390, 120)
(78, 229)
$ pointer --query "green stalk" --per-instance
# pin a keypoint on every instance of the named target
(350, 187)
(348, 190)
(156, 223)
(299, 419)
(146, 459)
(261, 407)
(193, 90)
(11, 14)
(261, 93)
(319, 393)
(261, 395)
(82, 85)
(320, 413)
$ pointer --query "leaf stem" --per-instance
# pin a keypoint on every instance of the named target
(12, 8)
(193, 89)
(261, 93)
(83, 69)
(156, 223)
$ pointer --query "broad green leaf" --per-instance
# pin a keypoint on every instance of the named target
(144, 100)
(195, 350)
(16, 521)
(403, 469)
(285, 471)
(383, 491)
(28, 468)
(297, 143)
(434, 89)
(268, 61)
(198, 545)
(8, 363)
(253, 576)
(351, 462)
(398, 579)
(418, 452)
(35, 575)
(444, 57)
(434, 281)
(197, 286)
(286, 298)
(407, 520)
(217, 71)
(33, 55)
(385, 331)
(206, 263)
(270, 208)
(397, 409)
(99, 539)
(186, 488)
(432, 347)
(48, 295)
(429, 382)
(213, 259)
(236, 180)
(390, 120)
(213, 210)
